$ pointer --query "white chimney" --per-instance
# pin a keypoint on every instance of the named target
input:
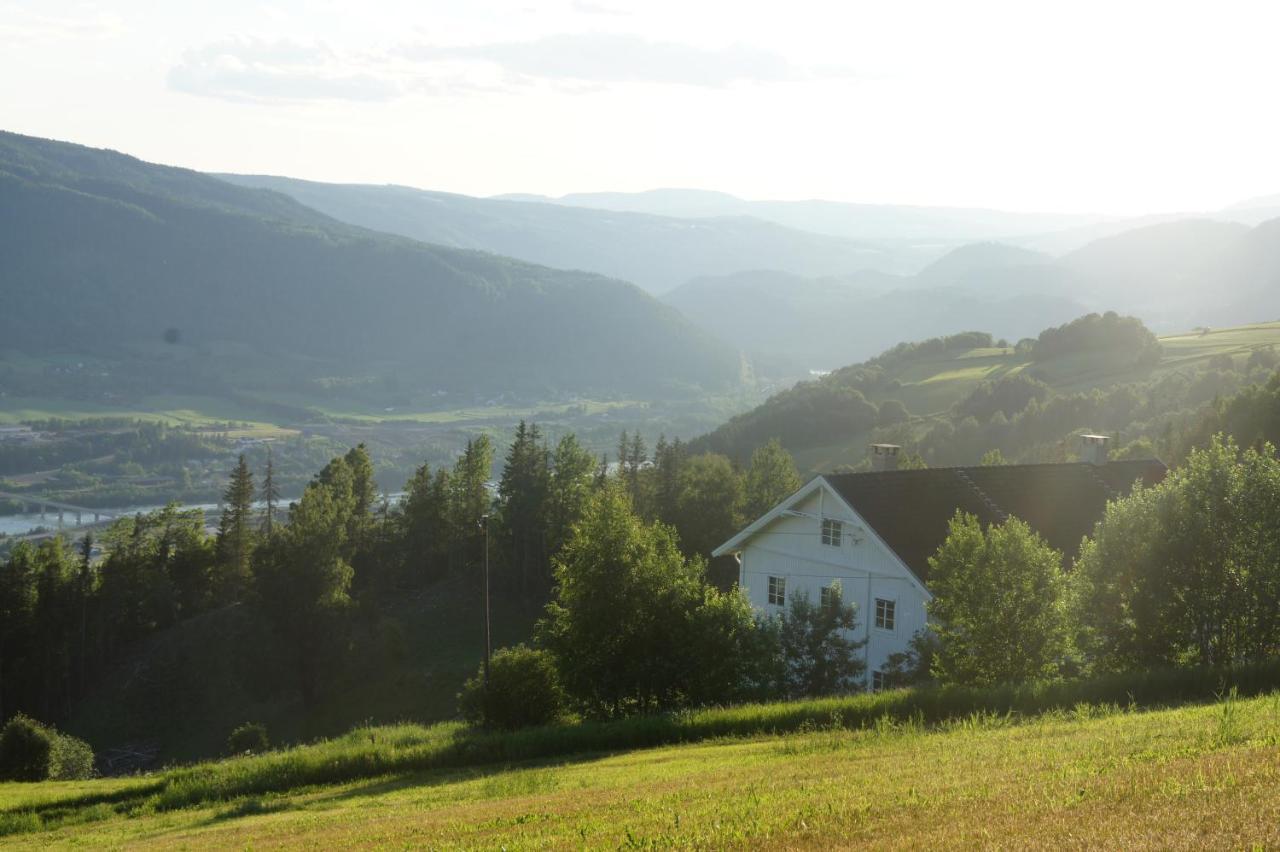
(1094, 449)
(884, 456)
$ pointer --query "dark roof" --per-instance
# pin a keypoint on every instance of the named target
(910, 509)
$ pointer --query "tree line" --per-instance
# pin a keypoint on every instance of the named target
(312, 575)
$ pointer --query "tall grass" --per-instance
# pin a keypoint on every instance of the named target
(371, 752)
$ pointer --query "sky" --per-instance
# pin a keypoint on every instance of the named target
(1086, 107)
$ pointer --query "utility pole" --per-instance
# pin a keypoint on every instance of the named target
(488, 647)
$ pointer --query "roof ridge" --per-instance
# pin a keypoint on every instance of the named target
(963, 475)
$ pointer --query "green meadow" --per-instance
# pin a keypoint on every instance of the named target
(1091, 775)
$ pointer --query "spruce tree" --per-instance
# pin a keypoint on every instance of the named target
(235, 536)
(270, 493)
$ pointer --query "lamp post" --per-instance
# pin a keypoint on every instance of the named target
(488, 646)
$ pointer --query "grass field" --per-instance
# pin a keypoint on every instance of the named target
(1091, 776)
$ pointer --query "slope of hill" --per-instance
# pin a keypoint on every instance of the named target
(1194, 776)
(857, 221)
(656, 252)
(791, 325)
(105, 255)
(827, 422)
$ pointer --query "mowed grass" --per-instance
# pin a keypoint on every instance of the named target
(1102, 777)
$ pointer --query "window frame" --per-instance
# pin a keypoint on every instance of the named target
(877, 681)
(776, 590)
(824, 595)
(885, 614)
(832, 532)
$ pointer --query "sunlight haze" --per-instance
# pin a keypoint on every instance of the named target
(1115, 108)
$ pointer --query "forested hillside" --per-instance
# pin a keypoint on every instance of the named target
(657, 252)
(104, 255)
(956, 399)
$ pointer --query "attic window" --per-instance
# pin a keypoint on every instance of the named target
(831, 532)
(885, 613)
(778, 591)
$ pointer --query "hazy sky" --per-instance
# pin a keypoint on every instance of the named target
(1115, 107)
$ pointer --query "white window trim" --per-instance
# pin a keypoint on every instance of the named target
(768, 589)
(831, 532)
(875, 599)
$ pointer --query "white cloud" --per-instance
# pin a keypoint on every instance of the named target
(86, 22)
(624, 58)
(246, 69)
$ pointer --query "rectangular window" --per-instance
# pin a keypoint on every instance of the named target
(831, 532)
(885, 613)
(778, 591)
(877, 681)
(828, 596)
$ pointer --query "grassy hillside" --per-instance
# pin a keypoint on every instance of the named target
(930, 383)
(1090, 775)
(184, 283)
(656, 252)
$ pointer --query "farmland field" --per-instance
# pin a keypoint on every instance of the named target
(1090, 777)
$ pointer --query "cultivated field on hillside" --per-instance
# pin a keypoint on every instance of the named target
(1090, 777)
(930, 386)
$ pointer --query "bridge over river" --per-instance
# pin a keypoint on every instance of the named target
(45, 506)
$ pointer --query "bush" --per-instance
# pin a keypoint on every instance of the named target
(31, 751)
(249, 738)
(71, 758)
(25, 749)
(524, 690)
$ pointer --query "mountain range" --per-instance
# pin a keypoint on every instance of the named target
(104, 255)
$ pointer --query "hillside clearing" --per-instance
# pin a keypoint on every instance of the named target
(1191, 777)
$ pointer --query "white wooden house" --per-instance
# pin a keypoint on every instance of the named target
(873, 533)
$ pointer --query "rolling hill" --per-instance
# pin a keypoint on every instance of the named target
(656, 252)
(856, 221)
(1173, 275)
(199, 281)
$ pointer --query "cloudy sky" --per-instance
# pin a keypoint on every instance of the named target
(1081, 106)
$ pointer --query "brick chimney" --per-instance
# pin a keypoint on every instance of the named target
(884, 456)
(1094, 449)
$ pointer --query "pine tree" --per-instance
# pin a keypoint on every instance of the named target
(270, 493)
(235, 536)
(523, 492)
(469, 499)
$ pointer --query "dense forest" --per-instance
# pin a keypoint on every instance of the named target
(171, 266)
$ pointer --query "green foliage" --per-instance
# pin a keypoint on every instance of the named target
(1123, 336)
(633, 625)
(1008, 395)
(818, 657)
(30, 751)
(999, 606)
(236, 536)
(892, 412)
(707, 504)
(1187, 572)
(523, 691)
(26, 747)
(771, 477)
(249, 738)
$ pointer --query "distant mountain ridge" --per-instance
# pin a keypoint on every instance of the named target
(104, 254)
(656, 252)
(854, 220)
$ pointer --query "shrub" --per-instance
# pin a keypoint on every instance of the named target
(31, 751)
(249, 738)
(524, 690)
(25, 749)
(71, 758)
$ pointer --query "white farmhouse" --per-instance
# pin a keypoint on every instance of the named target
(874, 532)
